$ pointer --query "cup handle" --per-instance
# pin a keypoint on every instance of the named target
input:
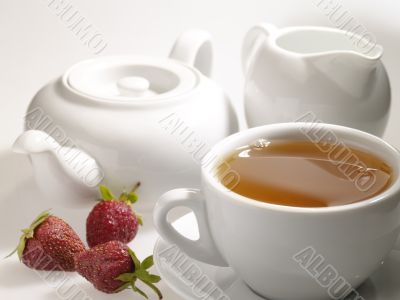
(252, 42)
(204, 248)
(194, 47)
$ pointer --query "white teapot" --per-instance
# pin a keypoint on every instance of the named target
(120, 120)
(314, 73)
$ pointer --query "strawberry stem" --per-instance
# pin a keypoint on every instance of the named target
(137, 185)
(131, 197)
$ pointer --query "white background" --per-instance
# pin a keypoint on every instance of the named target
(35, 46)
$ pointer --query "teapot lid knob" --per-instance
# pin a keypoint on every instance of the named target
(133, 86)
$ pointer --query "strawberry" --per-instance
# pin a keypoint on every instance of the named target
(49, 244)
(112, 267)
(113, 219)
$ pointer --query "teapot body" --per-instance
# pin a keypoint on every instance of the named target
(160, 145)
(328, 82)
(158, 141)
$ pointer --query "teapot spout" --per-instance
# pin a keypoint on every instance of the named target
(62, 173)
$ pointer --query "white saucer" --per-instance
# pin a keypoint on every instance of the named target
(173, 266)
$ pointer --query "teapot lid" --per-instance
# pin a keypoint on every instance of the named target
(129, 79)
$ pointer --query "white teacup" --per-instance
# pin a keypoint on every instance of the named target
(289, 253)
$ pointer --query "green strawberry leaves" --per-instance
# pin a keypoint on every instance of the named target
(141, 273)
(125, 286)
(139, 219)
(21, 246)
(135, 260)
(106, 193)
(147, 263)
(129, 198)
(137, 290)
(132, 197)
(28, 233)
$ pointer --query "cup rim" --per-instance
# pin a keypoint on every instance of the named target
(220, 150)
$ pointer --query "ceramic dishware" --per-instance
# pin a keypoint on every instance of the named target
(314, 73)
(122, 119)
(195, 280)
(262, 242)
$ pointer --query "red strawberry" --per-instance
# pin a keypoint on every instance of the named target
(49, 244)
(113, 219)
(112, 267)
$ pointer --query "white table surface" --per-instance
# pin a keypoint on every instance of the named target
(35, 46)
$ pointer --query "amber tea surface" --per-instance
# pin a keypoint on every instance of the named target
(306, 174)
